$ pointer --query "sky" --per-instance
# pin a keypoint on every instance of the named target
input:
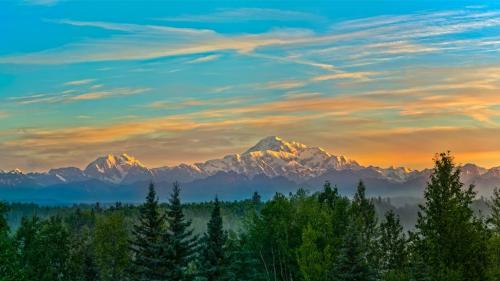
(381, 82)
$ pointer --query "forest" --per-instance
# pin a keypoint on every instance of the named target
(301, 236)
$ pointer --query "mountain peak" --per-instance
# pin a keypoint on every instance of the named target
(16, 172)
(275, 143)
(113, 168)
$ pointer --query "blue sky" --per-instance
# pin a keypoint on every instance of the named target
(383, 82)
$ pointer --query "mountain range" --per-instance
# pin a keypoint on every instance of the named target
(272, 165)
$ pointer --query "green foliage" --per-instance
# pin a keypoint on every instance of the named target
(363, 213)
(82, 261)
(314, 261)
(147, 243)
(243, 264)
(179, 238)
(213, 258)
(275, 237)
(392, 252)
(493, 252)
(111, 247)
(300, 237)
(9, 260)
(495, 211)
(352, 262)
(51, 251)
(450, 241)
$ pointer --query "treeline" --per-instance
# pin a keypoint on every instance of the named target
(310, 237)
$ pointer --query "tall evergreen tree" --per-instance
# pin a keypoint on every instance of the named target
(44, 249)
(243, 265)
(363, 212)
(52, 244)
(392, 251)
(82, 260)
(493, 271)
(449, 240)
(9, 261)
(26, 240)
(352, 264)
(179, 238)
(147, 246)
(495, 211)
(213, 257)
(256, 198)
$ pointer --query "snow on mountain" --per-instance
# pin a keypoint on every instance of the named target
(181, 173)
(396, 174)
(15, 178)
(115, 169)
(273, 156)
(15, 172)
(68, 174)
(492, 173)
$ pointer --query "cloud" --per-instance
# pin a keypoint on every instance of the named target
(247, 14)
(75, 96)
(79, 82)
(397, 32)
(373, 127)
(429, 86)
(285, 85)
(41, 2)
(204, 59)
(190, 103)
(344, 75)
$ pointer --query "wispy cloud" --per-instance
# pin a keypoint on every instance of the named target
(389, 35)
(41, 2)
(384, 83)
(247, 14)
(345, 75)
(74, 96)
(204, 59)
(79, 82)
(288, 84)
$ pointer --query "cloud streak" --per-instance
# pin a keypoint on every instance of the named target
(246, 15)
(395, 32)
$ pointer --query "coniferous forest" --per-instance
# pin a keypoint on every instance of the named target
(302, 236)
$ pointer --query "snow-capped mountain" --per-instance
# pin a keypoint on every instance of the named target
(276, 163)
(273, 156)
(116, 169)
(15, 178)
(69, 174)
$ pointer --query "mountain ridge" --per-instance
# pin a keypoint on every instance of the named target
(272, 157)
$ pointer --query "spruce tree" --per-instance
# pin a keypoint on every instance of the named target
(213, 257)
(9, 261)
(495, 211)
(363, 213)
(179, 238)
(52, 247)
(242, 264)
(493, 271)
(449, 240)
(352, 264)
(392, 251)
(26, 240)
(147, 245)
